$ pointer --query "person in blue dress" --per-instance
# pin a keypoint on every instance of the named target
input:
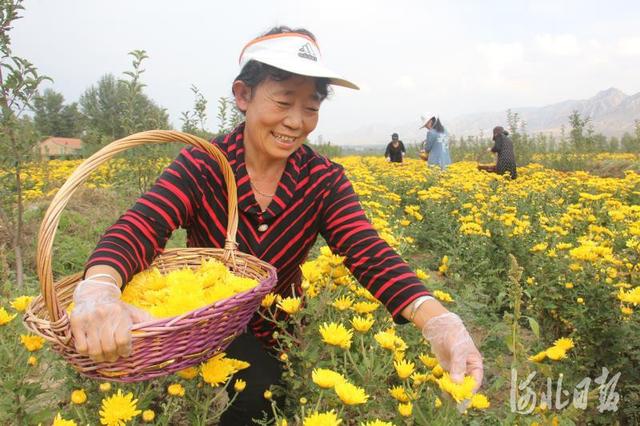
(436, 145)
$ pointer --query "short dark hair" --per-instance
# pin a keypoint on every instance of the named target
(253, 73)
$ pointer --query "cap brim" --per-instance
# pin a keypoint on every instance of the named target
(309, 69)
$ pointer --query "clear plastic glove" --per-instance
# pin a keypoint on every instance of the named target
(101, 323)
(453, 347)
(387, 159)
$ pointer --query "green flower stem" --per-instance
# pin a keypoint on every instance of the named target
(355, 365)
(365, 359)
(319, 399)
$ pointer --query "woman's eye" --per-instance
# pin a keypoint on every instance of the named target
(283, 103)
(312, 109)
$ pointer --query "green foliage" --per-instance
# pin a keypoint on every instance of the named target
(116, 108)
(229, 116)
(326, 149)
(53, 118)
(19, 82)
(194, 122)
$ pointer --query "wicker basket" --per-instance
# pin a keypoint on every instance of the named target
(160, 347)
(491, 168)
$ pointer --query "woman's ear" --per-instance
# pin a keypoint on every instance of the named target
(242, 94)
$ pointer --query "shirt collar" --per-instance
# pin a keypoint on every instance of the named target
(246, 200)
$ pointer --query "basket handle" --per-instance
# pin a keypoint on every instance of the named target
(79, 176)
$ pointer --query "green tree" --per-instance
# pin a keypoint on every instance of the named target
(100, 104)
(19, 82)
(194, 121)
(229, 116)
(116, 108)
(53, 118)
(576, 136)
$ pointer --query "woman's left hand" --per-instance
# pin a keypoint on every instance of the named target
(453, 347)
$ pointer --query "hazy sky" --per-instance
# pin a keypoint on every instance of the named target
(409, 57)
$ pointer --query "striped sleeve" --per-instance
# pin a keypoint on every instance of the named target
(369, 258)
(141, 233)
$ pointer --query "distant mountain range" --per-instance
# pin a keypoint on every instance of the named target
(612, 113)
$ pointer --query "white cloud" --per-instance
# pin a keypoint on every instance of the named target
(500, 64)
(560, 44)
(629, 46)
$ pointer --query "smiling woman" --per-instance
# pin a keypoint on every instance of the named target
(287, 196)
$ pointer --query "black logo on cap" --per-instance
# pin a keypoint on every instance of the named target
(306, 52)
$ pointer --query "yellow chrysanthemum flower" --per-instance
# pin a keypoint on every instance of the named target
(556, 353)
(437, 371)
(175, 389)
(539, 357)
(389, 340)
(239, 385)
(5, 318)
(437, 403)
(105, 387)
(148, 416)
(330, 418)
(460, 391)
(626, 310)
(398, 393)
(342, 303)
(443, 296)
(326, 378)
(406, 409)
(350, 394)
(32, 342)
(20, 303)
(336, 335)
(32, 361)
(422, 275)
(311, 271)
(79, 396)
(479, 402)
(237, 364)
(290, 305)
(59, 421)
(376, 422)
(419, 378)
(365, 307)
(427, 360)
(118, 409)
(217, 370)
(185, 289)
(564, 343)
(188, 373)
(268, 300)
(404, 368)
(362, 324)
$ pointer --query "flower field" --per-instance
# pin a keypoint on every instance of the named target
(544, 270)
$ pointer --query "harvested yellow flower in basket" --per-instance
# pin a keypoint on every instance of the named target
(202, 298)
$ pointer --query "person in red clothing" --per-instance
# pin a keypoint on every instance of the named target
(287, 196)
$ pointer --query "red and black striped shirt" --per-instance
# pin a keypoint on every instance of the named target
(313, 197)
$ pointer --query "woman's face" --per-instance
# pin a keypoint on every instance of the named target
(279, 114)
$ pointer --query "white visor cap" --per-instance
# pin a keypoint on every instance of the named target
(291, 52)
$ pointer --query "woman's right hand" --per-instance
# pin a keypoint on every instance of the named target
(101, 322)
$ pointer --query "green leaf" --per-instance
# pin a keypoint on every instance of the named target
(508, 340)
(535, 327)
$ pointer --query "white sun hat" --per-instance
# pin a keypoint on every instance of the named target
(293, 52)
(424, 118)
